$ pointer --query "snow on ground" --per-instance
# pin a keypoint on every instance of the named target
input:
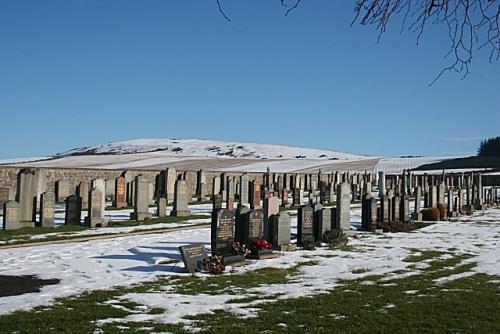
(118, 215)
(210, 148)
(20, 160)
(98, 264)
(397, 165)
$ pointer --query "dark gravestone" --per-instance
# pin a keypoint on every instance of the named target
(254, 226)
(73, 210)
(193, 256)
(305, 226)
(322, 223)
(222, 232)
(239, 225)
(280, 230)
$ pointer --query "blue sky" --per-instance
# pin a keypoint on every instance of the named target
(76, 73)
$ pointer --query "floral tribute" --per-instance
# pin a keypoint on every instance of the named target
(214, 264)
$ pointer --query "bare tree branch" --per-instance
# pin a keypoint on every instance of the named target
(222, 11)
(471, 24)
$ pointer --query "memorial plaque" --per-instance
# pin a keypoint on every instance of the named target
(280, 230)
(193, 256)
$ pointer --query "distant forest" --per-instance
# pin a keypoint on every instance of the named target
(489, 147)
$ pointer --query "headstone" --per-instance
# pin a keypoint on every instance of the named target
(170, 179)
(193, 256)
(161, 207)
(27, 196)
(368, 212)
(322, 222)
(73, 214)
(6, 194)
(216, 186)
(62, 190)
(254, 226)
(222, 232)
(47, 203)
(120, 193)
(432, 200)
(384, 209)
(343, 207)
(255, 195)
(200, 184)
(11, 215)
(381, 184)
(280, 230)
(271, 207)
(244, 192)
(404, 210)
(100, 184)
(181, 200)
(95, 211)
(239, 225)
(83, 192)
(395, 208)
(141, 206)
(305, 226)
(298, 197)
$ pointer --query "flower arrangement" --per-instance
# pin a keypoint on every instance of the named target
(238, 248)
(214, 264)
(261, 244)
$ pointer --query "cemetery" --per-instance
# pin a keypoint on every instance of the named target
(253, 167)
(265, 237)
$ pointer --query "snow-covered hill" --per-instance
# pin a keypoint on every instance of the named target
(210, 148)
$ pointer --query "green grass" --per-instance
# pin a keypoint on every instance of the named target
(23, 235)
(26, 232)
(421, 256)
(166, 219)
(413, 304)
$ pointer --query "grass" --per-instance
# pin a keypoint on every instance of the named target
(23, 235)
(411, 304)
(156, 220)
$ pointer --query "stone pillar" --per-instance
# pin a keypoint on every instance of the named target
(120, 193)
(161, 207)
(141, 199)
(96, 210)
(381, 184)
(343, 217)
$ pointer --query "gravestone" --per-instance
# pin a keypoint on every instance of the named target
(404, 209)
(6, 194)
(95, 211)
(181, 200)
(432, 199)
(440, 194)
(216, 186)
(254, 226)
(239, 225)
(395, 208)
(193, 256)
(47, 211)
(27, 196)
(322, 222)
(284, 198)
(100, 184)
(62, 190)
(83, 192)
(141, 206)
(200, 184)
(271, 207)
(244, 192)
(298, 195)
(418, 203)
(222, 232)
(73, 214)
(11, 215)
(343, 207)
(170, 181)
(368, 212)
(120, 193)
(381, 184)
(305, 227)
(255, 195)
(280, 231)
(161, 207)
